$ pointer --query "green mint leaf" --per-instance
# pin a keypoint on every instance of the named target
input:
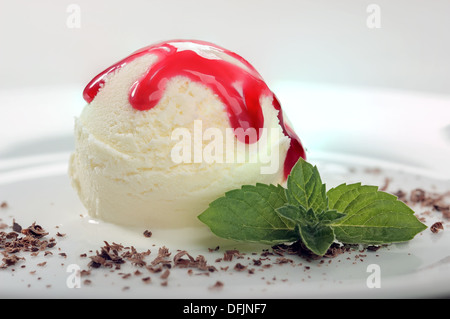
(315, 233)
(330, 216)
(353, 214)
(305, 188)
(249, 214)
(371, 216)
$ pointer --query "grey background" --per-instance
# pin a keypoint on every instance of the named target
(320, 41)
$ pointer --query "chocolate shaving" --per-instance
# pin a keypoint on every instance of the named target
(218, 285)
(136, 258)
(85, 272)
(239, 267)
(108, 256)
(23, 240)
(283, 260)
(96, 261)
(163, 254)
(387, 181)
(179, 261)
(298, 248)
(165, 274)
(444, 209)
(436, 227)
(423, 198)
(229, 254)
(125, 276)
(417, 196)
(257, 262)
(402, 196)
(147, 233)
(199, 262)
(35, 231)
(147, 280)
(10, 260)
(16, 227)
(154, 270)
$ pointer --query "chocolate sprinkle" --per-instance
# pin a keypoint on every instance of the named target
(217, 286)
(436, 227)
(147, 233)
(35, 231)
(23, 240)
(16, 227)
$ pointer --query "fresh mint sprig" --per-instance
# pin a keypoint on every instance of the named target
(314, 229)
(305, 211)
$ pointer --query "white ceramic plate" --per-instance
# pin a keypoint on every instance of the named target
(352, 135)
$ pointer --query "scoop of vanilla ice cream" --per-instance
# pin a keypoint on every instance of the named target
(124, 167)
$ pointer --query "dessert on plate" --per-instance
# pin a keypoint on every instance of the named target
(172, 127)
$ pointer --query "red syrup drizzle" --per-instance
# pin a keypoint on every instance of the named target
(239, 88)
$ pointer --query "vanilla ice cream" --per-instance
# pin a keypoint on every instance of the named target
(156, 154)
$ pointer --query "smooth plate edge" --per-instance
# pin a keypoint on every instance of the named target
(352, 159)
(395, 285)
(15, 169)
(17, 162)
